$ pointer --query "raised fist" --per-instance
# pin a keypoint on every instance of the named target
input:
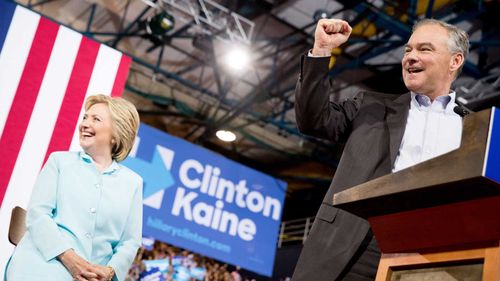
(329, 34)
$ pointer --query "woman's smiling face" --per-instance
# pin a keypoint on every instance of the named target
(96, 130)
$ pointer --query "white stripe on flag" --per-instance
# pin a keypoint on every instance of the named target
(101, 82)
(13, 57)
(40, 128)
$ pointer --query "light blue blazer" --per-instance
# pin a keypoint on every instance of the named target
(74, 206)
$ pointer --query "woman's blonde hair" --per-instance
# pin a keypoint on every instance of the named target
(125, 123)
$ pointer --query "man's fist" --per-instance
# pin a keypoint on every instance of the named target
(329, 34)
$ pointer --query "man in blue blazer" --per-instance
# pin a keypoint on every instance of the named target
(382, 133)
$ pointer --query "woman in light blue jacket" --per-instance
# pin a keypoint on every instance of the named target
(84, 218)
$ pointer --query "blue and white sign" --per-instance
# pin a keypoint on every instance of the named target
(158, 270)
(201, 201)
(492, 159)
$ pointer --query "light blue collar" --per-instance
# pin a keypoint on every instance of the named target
(444, 101)
(114, 167)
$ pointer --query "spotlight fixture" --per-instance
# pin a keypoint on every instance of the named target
(160, 23)
(226, 136)
(237, 58)
(320, 14)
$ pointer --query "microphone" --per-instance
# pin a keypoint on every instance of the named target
(461, 110)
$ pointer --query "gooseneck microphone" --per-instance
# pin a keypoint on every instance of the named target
(461, 110)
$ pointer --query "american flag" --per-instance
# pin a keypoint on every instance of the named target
(46, 71)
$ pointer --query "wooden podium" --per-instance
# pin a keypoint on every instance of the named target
(440, 219)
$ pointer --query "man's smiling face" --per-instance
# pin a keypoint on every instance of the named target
(427, 62)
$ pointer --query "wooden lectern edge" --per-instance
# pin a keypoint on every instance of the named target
(397, 261)
(394, 262)
(431, 172)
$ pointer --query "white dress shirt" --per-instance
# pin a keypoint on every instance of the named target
(432, 129)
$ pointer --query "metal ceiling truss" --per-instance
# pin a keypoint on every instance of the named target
(210, 18)
(392, 25)
(134, 29)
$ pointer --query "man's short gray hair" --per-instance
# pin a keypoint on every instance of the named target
(458, 39)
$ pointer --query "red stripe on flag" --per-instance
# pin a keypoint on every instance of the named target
(121, 76)
(25, 99)
(74, 97)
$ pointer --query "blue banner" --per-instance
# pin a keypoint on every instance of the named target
(492, 167)
(201, 201)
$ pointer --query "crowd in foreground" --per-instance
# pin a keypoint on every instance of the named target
(163, 262)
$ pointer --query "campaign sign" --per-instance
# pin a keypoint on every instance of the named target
(201, 201)
(157, 270)
(492, 160)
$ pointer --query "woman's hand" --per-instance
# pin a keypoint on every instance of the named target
(104, 273)
(79, 268)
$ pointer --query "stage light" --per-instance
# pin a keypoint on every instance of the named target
(237, 58)
(226, 136)
(320, 14)
(160, 24)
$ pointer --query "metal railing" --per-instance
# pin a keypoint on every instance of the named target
(294, 231)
